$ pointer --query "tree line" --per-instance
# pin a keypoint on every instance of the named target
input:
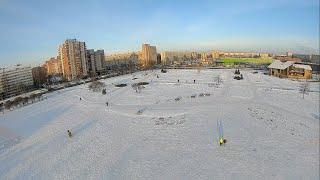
(20, 101)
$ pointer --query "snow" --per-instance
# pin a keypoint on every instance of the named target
(277, 64)
(271, 132)
(303, 66)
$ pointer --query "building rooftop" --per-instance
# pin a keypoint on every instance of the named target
(14, 67)
(302, 66)
(277, 64)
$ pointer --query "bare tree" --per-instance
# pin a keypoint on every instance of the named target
(39, 97)
(33, 97)
(304, 88)
(25, 100)
(136, 87)
(17, 101)
(1, 107)
(96, 86)
(8, 104)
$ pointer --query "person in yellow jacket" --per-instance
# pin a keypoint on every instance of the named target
(221, 141)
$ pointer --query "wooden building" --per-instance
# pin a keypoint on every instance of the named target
(288, 69)
(300, 71)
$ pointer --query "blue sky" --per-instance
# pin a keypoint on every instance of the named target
(30, 31)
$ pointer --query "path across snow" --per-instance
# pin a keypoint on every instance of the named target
(271, 132)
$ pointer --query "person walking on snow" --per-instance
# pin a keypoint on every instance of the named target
(69, 133)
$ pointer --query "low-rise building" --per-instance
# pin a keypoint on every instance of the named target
(289, 69)
(239, 54)
(300, 71)
(286, 58)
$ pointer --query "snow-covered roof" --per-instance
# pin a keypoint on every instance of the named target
(277, 64)
(302, 66)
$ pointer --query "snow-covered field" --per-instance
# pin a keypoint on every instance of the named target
(271, 132)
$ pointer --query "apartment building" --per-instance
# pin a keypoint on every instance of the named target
(53, 66)
(100, 60)
(15, 80)
(148, 56)
(95, 62)
(73, 59)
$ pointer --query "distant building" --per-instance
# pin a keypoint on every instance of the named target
(122, 58)
(100, 61)
(15, 80)
(215, 54)
(73, 58)
(288, 69)
(95, 62)
(286, 58)
(239, 54)
(39, 75)
(313, 58)
(148, 56)
(176, 57)
(264, 55)
(53, 66)
(91, 64)
(195, 55)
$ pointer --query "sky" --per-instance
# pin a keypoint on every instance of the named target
(30, 31)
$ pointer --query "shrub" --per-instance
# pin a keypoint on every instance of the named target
(17, 101)
(8, 104)
(25, 100)
(1, 106)
(96, 86)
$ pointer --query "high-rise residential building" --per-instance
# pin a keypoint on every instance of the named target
(15, 80)
(53, 66)
(91, 64)
(95, 62)
(148, 55)
(100, 61)
(73, 59)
